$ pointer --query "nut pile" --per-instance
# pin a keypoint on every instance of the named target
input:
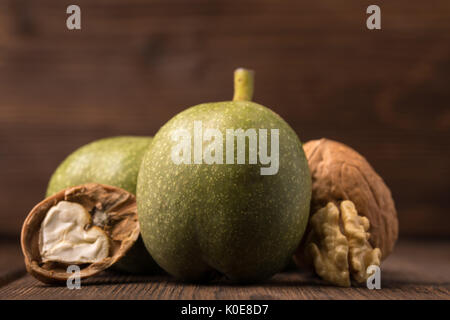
(200, 220)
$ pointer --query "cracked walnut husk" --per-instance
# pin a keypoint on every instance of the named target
(91, 226)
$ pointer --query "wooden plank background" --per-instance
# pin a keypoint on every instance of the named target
(136, 63)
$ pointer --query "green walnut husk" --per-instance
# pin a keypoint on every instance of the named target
(199, 219)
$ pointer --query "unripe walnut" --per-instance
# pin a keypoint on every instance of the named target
(340, 173)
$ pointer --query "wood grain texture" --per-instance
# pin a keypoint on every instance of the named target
(12, 266)
(417, 270)
(137, 63)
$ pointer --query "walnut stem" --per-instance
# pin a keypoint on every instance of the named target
(243, 84)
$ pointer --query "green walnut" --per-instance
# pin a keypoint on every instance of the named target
(112, 161)
(226, 188)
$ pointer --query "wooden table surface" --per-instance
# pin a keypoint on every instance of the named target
(417, 270)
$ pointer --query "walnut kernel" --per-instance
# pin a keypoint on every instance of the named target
(337, 244)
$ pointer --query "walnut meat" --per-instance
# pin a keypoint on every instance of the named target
(340, 173)
(68, 235)
(91, 226)
(337, 244)
(360, 254)
(327, 247)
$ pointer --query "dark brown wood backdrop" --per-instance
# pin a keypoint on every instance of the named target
(136, 63)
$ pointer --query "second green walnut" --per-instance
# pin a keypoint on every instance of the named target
(111, 161)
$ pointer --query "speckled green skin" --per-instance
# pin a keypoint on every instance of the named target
(225, 217)
(112, 161)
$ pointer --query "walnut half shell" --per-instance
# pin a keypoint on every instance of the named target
(91, 225)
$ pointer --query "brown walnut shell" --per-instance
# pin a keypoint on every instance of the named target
(340, 173)
(121, 226)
